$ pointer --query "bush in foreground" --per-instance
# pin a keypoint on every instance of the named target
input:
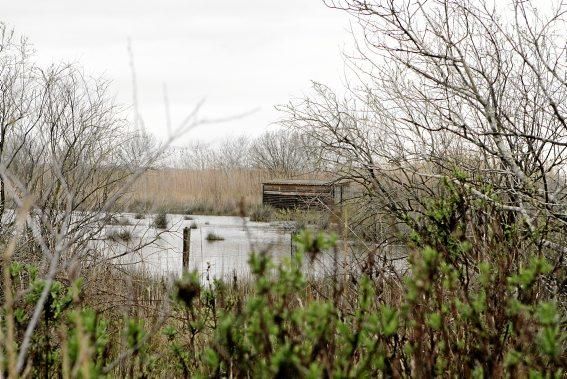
(477, 307)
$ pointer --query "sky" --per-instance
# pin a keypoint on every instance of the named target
(237, 56)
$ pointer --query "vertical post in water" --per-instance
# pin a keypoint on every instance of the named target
(186, 247)
(291, 234)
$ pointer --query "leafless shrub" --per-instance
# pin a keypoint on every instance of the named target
(67, 158)
(450, 90)
(281, 153)
(233, 153)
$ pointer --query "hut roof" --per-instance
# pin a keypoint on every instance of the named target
(306, 182)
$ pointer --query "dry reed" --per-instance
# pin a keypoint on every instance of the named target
(211, 191)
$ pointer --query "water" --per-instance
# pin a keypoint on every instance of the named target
(159, 252)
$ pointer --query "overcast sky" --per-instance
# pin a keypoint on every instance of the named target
(239, 55)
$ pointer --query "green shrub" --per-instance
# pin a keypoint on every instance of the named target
(473, 304)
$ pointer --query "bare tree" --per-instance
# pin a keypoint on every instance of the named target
(137, 149)
(233, 152)
(463, 90)
(199, 155)
(281, 152)
(67, 159)
(454, 131)
(21, 94)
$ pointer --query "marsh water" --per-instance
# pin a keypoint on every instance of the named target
(159, 252)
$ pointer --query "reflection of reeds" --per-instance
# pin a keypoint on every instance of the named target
(211, 191)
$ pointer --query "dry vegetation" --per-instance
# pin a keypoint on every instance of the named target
(213, 191)
(210, 191)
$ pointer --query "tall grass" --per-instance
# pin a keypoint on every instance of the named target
(211, 191)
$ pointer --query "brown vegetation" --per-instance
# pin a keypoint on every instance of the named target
(208, 191)
(191, 191)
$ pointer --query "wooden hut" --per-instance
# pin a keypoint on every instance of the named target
(303, 194)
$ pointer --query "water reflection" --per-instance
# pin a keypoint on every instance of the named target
(159, 252)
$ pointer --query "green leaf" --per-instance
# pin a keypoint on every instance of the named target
(547, 313)
(388, 320)
(548, 340)
(434, 320)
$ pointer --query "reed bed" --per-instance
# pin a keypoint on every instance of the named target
(210, 191)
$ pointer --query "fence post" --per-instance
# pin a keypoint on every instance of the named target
(186, 247)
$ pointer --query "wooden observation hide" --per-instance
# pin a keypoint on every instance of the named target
(303, 194)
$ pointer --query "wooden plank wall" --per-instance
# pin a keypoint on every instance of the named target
(287, 196)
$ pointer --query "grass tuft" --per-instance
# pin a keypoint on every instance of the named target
(261, 213)
(160, 220)
(119, 235)
(119, 220)
(214, 237)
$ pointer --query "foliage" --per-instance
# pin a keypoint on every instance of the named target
(472, 306)
(456, 139)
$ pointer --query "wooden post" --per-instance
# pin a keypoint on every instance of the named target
(186, 247)
(291, 235)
